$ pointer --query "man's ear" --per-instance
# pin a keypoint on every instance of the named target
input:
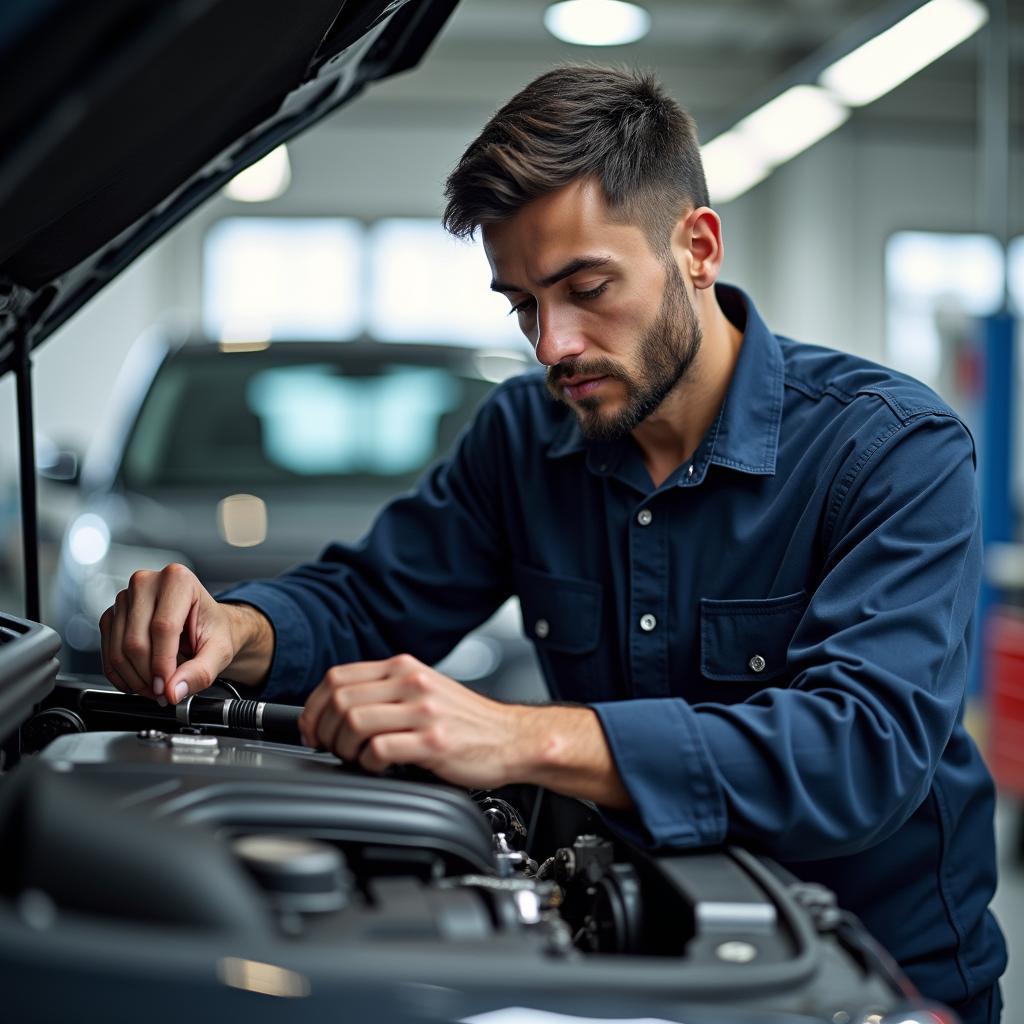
(697, 245)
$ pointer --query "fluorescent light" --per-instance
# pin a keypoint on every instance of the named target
(738, 159)
(895, 55)
(803, 115)
(264, 180)
(597, 22)
(792, 122)
(731, 166)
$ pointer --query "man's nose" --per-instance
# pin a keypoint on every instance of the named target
(558, 337)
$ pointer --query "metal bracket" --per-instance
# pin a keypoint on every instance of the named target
(27, 469)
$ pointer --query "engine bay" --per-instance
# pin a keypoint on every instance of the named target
(223, 834)
(148, 852)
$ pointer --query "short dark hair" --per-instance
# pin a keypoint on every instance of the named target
(615, 125)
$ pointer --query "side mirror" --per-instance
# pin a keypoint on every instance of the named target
(60, 466)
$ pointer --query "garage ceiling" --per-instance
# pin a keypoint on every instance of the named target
(716, 57)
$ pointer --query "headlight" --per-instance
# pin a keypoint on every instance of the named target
(112, 574)
(100, 568)
(88, 539)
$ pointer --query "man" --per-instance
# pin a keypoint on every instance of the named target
(752, 563)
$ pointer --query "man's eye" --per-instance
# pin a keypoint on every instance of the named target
(591, 293)
(520, 307)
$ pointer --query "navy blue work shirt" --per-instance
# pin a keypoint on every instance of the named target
(775, 639)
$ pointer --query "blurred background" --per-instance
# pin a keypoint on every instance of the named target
(230, 400)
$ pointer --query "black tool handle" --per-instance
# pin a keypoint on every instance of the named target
(279, 722)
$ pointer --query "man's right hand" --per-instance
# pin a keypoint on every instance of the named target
(165, 637)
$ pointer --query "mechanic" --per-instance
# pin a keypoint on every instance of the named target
(749, 565)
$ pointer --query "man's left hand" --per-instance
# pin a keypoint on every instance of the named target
(400, 711)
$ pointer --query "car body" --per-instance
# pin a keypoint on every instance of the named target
(168, 861)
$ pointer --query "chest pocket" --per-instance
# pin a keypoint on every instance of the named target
(561, 614)
(747, 641)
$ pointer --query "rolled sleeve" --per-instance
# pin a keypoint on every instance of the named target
(667, 771)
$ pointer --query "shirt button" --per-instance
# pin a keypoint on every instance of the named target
(647, 623)
(757, 663)
(644, 517)
(689, 472)
(542, 628)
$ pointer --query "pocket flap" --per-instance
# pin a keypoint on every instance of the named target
(747, 641)
(560, 613)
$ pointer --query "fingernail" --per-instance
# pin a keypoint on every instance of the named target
(181, 690)
(158, 685)
(162, 701)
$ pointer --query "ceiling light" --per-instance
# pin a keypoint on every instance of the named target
(792, 122)
(895, 55)
(597, 22)
(264, 180)
(731, 166)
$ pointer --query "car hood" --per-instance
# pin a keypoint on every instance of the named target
(122, 116)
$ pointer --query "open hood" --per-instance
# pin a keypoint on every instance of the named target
(122, 116)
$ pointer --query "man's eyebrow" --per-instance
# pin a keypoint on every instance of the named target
(570, 268)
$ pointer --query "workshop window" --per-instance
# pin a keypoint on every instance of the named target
(405, 279)
(936, 284)
(426, 285)
(276, 278)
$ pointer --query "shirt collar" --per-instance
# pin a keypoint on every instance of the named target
(746, 431)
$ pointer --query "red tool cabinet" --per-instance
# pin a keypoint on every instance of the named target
(1004, 636)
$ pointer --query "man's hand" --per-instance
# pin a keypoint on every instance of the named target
(165, 637)
(400, 711)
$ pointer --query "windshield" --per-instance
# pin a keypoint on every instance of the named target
(274, 417)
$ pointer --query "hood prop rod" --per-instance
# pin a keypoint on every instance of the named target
(27, 466)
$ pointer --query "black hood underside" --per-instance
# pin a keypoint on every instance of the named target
(122, 116)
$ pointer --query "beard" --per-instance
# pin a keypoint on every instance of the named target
(665, 352)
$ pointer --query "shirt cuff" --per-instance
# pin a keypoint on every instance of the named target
(666, 769)
(293, 641)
